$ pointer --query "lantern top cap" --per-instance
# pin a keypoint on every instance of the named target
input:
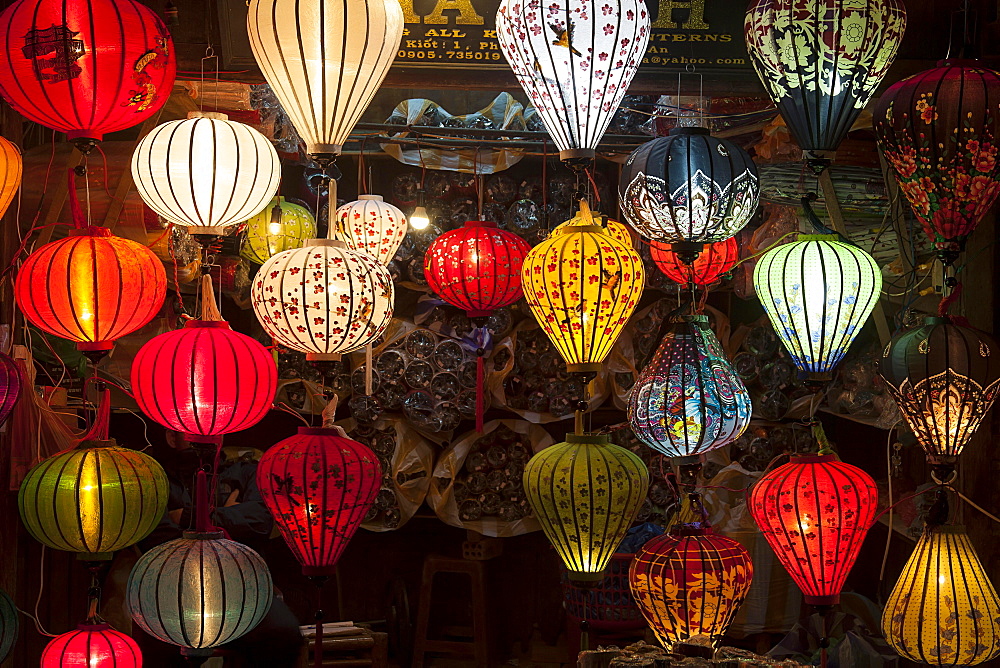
(688, 318)
(947, 528)
(215, 324)
(818, 237)
(580, 229)
(480, 223)
(689, 131)
(589, 439)
(693, 529)
(371, 198)
(204, 535)
(213, 115)
(328, 243)
(937, 320)
(90, 231)
(93, 628)
(812, 459)
(960, 62)
(319, 431)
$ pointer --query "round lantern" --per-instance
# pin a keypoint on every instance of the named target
(574, 60)
(943, 611)
(476, 268)
(939, 131)
(95, 645)
(688, 400)
(318, 486)
(9, 625)
(688, 189)
(323, 299)
(690, 582)
(373, 226)
(716, 260)
(85, 68)
(617, 230)
(582, 285)
(817, 291)
(944, 378)
(585, 527)
(279, 226)
(324, 90)
(91, 287)
(205, 172)
(199, 591)
(10, 387)
(10, 173)
(815, 512)
(821, 61)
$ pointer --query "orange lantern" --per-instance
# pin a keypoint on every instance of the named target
(717, 259)
(10, 173)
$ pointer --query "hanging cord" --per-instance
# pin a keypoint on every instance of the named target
(593, 185)
(888, 538)
(362, 180)
(545, 186)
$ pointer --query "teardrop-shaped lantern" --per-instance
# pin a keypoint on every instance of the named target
(372, 225)
(821, 61)
(940, 131)
(943, 610)
(10, 386)
(582, 285)
(10, 173)
(574, 60)
(690, 582)
(280, 226)
(585, 492)
(688, 189)
(716, 260)
(815, 512)
(944, 378)
(818, 292)
(325, 60)
(688, 400)
(318, 486)
(92, 646)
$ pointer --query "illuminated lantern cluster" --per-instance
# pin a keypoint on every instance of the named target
(688, 400)
(280, 226)
(85, 68)
(10, 173)
(476, 268)
(10, 385)
(372, 225)
(716, 260)
(94, 645)
(817, 291)
(690, 582)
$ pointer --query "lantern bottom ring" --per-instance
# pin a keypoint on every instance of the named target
(577, 155)
(323, 357)
(206, 230)
(832, 599)
(204, 438)
(94, 346)
(819, 376)
(319, 571)
(89, 557)
(198, 651)
(586, 580)
(584, 368)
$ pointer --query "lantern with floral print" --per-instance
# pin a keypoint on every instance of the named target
(715, 261)
(940, 131)
(617, 230)
(373, 226)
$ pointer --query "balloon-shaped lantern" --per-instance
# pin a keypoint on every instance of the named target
(940, 131)
(688, 400)
(585, 492)
(821, 61)
(280, 226)
(372, 225)
(688, 189)
(10, 386)
(9, 625)
(574, 60)
(582, 285)
(92, 645)
(476, 268)
(815, 512)
(690, 582)
(716, 260)
(817, 291)
(10, 173)
(205, 172)
(85, 68)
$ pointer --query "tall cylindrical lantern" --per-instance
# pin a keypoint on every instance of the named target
(280, 226)
(372, 225)
(92, 645)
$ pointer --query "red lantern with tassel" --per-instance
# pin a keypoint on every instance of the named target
(715, 260)
(94, 645)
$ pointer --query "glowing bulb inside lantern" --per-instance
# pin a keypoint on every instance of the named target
(419, 219)
(274, 228)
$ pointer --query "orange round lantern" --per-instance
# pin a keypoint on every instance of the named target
(715, 260)
(10, 173)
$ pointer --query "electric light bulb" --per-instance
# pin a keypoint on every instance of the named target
(419, 219)
(274, 228)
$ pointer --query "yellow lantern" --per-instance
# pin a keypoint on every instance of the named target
(943, 611)
(618, 230)
(10, 173)
(582, 285)
(279, 226)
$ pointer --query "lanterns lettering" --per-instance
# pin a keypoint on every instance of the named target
(92, 645)
(280, 226)
(373, 226)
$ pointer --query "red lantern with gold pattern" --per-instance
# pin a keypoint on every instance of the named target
(715, 260)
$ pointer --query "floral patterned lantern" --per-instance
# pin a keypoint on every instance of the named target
(280, 226)
(716, 260)
(939, 130)
(688, 400)
(821, 61)
(373, 226)
(10, 173)
(617, 230)
(92, 645)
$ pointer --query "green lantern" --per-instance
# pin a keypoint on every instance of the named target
(9, 625)
(585, 492)
(280, 226)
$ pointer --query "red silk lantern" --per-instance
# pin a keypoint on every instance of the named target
(85, 67)
(815, 512)
(714, 261)
(318, 485)
(477, 267)
(92, 645)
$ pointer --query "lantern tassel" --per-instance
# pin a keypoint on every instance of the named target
(99, 430)
(330, 413)
(79, 221)
(946, 302)
(202, 522)
(368, 370)
(480, 373)
(209, 307)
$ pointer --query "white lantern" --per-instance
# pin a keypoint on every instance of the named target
(575, 60)
(324, 59)
(323, 299)
(373, 226)
(205, 172)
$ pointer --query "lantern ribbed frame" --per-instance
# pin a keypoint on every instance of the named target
(690, 582)
(323, 299)
(295, 225)
(9, 625)
(943, 610)
(577, 86)
(616, 229)
(93, 501)
(372, 225)
(818, 292)
(821, 60)
(944, 377)
(123, 76)
(205, 171)
(585, 527)
(91, 287)
(688, 400)
(204, 380)
(815, 512)
(318, 486)
(712, 263)
(476, 268)
(11, 167)
(324, 90)
(689, 188)
(92, 646)
(939, 131)
(10, 386)
(199, 591)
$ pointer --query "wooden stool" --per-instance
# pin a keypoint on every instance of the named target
(476, 640)
(365, 648)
